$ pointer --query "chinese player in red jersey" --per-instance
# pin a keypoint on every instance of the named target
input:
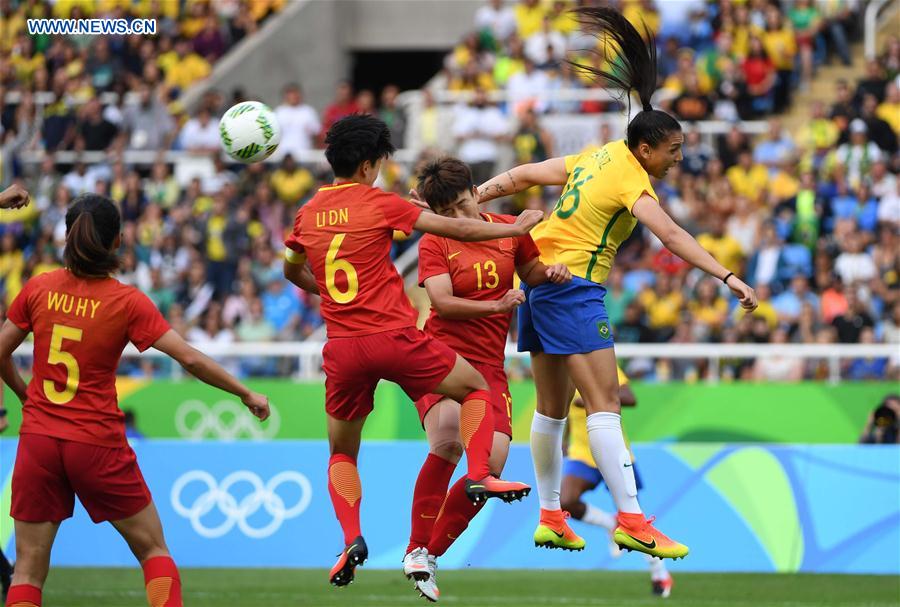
(472, 296)
(340, 248)
(73, 435)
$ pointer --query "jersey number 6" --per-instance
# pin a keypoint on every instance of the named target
(57, 356)
(333, 265)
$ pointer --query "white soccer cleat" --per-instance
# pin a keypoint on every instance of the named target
(415, 564)
(428, 588)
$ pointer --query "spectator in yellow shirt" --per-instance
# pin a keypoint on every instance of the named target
(781, 46)
(291, 182)
(709, 308)
(643, 16)
(664, 304)
(188, 68)
(529, 17)
(562, 19)
(748, 179)
(63, 8)
(889, 110)
(724, 247)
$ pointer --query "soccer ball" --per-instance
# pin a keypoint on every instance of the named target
(249, 131)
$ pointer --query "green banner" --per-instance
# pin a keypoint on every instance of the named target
(745, 412)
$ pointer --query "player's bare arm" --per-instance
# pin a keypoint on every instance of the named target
(677, 240)
(471, 230)
(11, 337)
(14, 197)
(447, 305)
(297, 270)
(210, 372)
(517, 179)
(535, 273)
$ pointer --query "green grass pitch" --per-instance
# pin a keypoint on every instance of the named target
(474, 588)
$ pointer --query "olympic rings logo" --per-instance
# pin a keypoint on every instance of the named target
(225, 420)
(238, 511)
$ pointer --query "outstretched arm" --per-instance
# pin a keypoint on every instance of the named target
(677, 240)
(468, 230)
(522, 177)
(14, 197)
(210, 372)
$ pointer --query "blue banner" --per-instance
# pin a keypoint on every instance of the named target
(740, 507)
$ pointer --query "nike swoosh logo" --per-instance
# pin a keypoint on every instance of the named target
(649, 546)
(627, 465)
(452, 255)
(427, 516)
(452, 537)
(558, 534)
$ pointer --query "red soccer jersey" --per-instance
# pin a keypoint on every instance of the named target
(80, 328)
(346, 232)
(481, 271)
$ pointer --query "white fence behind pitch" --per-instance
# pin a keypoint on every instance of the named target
(309, 353)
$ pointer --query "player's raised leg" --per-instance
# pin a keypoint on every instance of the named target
(476, 424)
(33, 544)
(345, 490)
(144, 535)
(595, 377)
(554, 393)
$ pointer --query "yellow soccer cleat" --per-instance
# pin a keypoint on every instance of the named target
(553, 532)
(637, 533)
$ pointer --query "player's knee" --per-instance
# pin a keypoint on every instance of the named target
(568, 501)
(448, 449)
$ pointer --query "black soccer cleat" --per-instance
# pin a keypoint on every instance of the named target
(349, 559)
(490, 486)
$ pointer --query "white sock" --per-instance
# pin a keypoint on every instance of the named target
(613, 460)
(598, 517)
(546, 453)
(658, 571)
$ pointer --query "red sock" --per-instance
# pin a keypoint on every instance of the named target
(346, 494)
(23, 595)
(162, 582)
(429, 494)
(476, 427)
(453, 519)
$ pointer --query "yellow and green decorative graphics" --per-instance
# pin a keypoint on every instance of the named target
(743, 413)
(739, 476)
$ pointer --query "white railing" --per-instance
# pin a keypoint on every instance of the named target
(309, 353)
(871, 25)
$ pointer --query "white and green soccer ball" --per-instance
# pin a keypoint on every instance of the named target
(249, 131)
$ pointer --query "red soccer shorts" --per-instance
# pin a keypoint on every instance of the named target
(50, 472)
(501, 401)
(416, 362)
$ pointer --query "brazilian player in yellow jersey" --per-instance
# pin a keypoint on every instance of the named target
(580, 475)
(565, 327)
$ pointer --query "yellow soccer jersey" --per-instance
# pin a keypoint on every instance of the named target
(579, 446)
(593, 216)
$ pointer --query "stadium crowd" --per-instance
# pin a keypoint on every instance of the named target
(810, 218)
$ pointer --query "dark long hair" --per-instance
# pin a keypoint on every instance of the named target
(92, 224)
(635, 69)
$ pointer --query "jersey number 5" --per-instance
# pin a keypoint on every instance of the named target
(333, 265)
(57, 356)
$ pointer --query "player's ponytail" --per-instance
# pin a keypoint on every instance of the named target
(632, 69)
(92, 225)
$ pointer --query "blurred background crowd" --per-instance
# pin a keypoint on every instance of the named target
(807, 211)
